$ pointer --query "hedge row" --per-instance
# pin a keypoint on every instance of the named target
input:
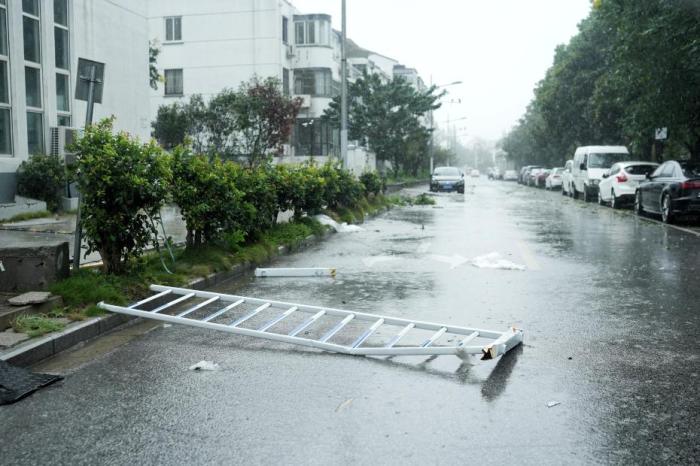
(124, 184)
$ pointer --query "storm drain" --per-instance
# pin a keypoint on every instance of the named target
(16, 382)
(334, 330)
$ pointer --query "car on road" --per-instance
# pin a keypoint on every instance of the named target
(532, 174)
(525, 172)
(567, 180)
(495, 173)
(447, 179)
(541, 178)
(475, 173)
(553, 180)
(590, 162)
(672, 190)
(510, 175)
(618, 186)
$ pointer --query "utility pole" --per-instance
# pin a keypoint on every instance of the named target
(344, 91)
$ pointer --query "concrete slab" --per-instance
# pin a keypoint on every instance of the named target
(32, 297)
(10, 338)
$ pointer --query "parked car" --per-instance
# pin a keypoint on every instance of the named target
(447, 179)
(532, 176)
(525, 172)
(475, 173)
(590, 162)
(673, 189)
(541, 178)
(619, 185)
(494, 173)
(553, 181)
(567, 179)
(510, 175)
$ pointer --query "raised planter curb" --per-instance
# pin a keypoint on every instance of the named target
(38, 349)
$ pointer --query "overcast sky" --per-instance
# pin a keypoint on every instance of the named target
(499, 48)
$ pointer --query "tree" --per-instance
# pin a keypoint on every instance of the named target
(387, 118)
(153, 75)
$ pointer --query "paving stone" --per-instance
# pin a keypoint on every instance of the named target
(32, 297)
(11, 338)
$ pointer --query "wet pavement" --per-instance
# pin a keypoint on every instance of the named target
(609, 304)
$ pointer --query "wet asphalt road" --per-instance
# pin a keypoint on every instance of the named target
(609, 303)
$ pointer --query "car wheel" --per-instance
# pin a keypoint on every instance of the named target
(666, 215)
(638, 208)
(614, 201)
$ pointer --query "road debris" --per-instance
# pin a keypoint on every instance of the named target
(339, 227)
(205, 366)
(495, 261)
(552, 404)
(296, 272)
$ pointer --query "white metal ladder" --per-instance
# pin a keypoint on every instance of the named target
(171, 299)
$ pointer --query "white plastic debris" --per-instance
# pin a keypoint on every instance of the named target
(205, 366)
(495, 261)
(295, 272)
(339, 227)
(552, 404)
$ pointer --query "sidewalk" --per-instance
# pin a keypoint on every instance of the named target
(48, 230)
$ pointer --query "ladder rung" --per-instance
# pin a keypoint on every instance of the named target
(198, 306)
(368, 333)
(306, 323)
(250, 315)
(277, 319)
(172, 303)
(399, 335)
(224, 310)
(338, 327)
(150, 298)
(469, 338)
(434, 338)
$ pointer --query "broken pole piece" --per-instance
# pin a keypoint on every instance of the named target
(296, 272)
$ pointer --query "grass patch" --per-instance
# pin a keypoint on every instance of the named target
(90, 286)
(28, 216)
(36, 325)
(424, 199)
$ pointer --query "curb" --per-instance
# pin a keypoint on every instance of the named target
(35, 350)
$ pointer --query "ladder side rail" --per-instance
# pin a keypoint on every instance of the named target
(340, 312)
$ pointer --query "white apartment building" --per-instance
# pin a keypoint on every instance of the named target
(40, 43)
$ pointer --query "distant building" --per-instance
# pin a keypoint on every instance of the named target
(40, 42)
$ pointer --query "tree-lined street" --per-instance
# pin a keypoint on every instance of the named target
(607, 302)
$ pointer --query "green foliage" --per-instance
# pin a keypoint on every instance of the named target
(634, 66)
(259, 198)
(123, 186)
(153, 76)
(36, 325)
(88, 286)
(424, 199)
(387, 117)
(42, 177)
(342, 189)
(209, 200)
(27, 216)
(372, 183)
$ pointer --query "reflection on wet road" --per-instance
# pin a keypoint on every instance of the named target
(609, 304)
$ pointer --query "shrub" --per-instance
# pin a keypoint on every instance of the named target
(341, 189)
(209, 200)
(259, 191)
(372, 183)
(123, 185)
(42, 177)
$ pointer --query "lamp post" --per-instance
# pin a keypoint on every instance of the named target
(432, 142)
(343, 92)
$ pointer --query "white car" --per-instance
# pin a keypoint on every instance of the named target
(553, 181)
(590, 162)
(510, 175)
(567, 179)
(475, 173)
(619, 184)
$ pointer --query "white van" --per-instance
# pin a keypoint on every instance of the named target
(590, 162)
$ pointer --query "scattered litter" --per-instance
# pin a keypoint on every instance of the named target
(339, 227)
(296, 272)
(167, 325)
(552, 404)
(205, 366)
(344, 405)
(495, 261)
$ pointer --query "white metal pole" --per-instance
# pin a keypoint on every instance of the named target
(344, 91)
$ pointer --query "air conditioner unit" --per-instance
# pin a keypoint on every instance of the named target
(290, 51)
(62, 137)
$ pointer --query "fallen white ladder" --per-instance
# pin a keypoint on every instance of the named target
(498, 342)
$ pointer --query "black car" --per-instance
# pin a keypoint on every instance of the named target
(673, 189)
(447, 179)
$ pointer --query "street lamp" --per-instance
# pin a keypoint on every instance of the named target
(432, 143)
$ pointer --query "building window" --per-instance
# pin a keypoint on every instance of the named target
(32, 38)
(173, 28)
(35, 132)
(32, 82)
(312, 32)
(285, 81)
(5, 108)
(3, 29)
(64, 120)
(62, 48)
(285, 29)
(311, 136)
(317, 82)
(62, 92)
(173, 82)
(31, 7)
(60, 12)
(5, 131)
(4, 83)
